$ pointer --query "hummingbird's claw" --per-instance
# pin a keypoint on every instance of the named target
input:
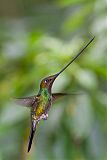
(43, 116)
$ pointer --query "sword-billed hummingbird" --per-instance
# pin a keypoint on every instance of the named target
(41, 103)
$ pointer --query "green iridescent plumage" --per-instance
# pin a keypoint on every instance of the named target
(43, 99)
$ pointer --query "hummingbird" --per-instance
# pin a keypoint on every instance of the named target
(41, 103)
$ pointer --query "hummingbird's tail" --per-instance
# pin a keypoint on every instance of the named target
(32, 132)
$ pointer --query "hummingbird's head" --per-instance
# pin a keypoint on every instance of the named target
(48, 81)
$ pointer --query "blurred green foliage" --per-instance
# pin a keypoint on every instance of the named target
(37, 38)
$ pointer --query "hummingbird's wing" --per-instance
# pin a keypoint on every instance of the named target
(32, 132)
(55, 96)
(26, 102)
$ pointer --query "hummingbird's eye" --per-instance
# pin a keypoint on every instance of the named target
(46, 81)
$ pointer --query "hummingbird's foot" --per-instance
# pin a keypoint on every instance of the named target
(45, 116)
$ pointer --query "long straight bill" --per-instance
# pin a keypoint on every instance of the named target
(75, 57)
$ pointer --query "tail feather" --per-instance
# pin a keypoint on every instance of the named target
(32, 132)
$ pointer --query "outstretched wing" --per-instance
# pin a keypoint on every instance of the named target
(26, 101)
(55, 96)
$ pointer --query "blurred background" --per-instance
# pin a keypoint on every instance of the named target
(37, 38)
